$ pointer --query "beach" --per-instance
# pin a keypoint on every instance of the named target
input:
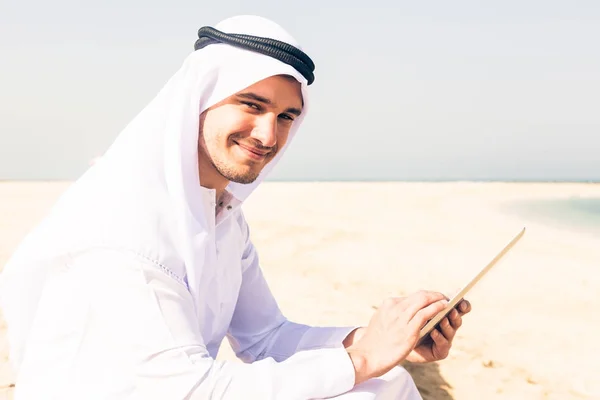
(332, 251)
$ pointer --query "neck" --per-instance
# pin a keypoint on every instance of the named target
(211, 179)
(219, 189)
(208, 174)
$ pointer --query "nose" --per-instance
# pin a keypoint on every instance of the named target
(265, 130)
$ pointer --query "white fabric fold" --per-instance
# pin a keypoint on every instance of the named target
(144, 193)
(113, 326)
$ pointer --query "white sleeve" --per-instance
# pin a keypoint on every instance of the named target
(134, 334)
(258, 328)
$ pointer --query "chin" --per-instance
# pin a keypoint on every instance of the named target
(240, 175)
(244, 179)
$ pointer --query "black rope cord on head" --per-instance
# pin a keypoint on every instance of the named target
(282, 51)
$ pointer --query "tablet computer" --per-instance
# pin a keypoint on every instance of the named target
(455, 300)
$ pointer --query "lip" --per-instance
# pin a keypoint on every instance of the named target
(251, 152)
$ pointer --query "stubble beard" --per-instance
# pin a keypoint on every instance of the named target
(228, 170)
(231, 174)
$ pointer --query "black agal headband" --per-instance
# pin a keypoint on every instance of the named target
(282, 51)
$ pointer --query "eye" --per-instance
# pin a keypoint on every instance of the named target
(286, 117)
(251, 105)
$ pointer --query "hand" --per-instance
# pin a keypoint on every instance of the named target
(437, 346)
(392, 333)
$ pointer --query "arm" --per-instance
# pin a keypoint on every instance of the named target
(139, 335)
(259, 330)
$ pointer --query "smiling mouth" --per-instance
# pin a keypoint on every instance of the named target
(252, 151)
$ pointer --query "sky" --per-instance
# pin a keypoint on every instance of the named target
(419, 90)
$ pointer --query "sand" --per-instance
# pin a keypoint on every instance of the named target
(333, 251)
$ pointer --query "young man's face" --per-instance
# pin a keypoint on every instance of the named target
(242, 134)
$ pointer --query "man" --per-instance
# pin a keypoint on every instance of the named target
(127, 289)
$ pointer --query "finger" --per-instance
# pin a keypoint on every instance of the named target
(441, 344)
(425, 314)
(408, 300)
(464, 306)
(447, 329)
(455, 319)
(420, 300)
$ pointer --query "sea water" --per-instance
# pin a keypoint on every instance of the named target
(575, 213)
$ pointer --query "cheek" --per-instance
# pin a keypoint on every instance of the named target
(282, 137)
(219, 128)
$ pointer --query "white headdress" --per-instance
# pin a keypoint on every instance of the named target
(144, 194)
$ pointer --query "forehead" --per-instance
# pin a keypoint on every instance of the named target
(281, 90)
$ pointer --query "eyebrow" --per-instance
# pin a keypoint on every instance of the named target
(264, 100)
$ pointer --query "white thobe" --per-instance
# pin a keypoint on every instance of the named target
(115, 324)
